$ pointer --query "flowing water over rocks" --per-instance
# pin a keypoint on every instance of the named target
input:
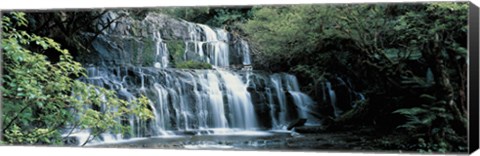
(138, 57)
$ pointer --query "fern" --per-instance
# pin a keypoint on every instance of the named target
(431, 121)
(417, 117)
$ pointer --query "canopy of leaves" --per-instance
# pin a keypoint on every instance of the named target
(391, 52)
(225, 17)
(41, 97)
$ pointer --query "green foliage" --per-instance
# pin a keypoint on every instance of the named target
(213, 16)
(419, 117)
(424, 122)
(230, 17)
(177, 50)
(289, 34)
(40, 97)
(283, 32)
(148, 53)
(195, 14)
(295, 38)
(142, 51)
(440, 30)
(193, 65)
(446, 22)
(385, 48)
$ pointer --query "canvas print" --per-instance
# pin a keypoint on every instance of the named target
(342, 77)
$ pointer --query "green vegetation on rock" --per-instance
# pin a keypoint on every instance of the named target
(193, 65)
(41, 96)
(176, 50)
(148, 53)
(225, 17)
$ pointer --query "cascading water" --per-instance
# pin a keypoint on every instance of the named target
(210, 45)
(161, 55)
(245, 52)
(333, 99)
(301, 100)
(186, 101)
(241, 107)
(281, 118)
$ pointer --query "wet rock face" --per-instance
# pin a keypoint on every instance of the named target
(127, 26)
(336, 96)
(342, 90)
(256, 88)
(159, 40)
(129, 41)
(170, 28)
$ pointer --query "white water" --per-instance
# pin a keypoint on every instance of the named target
(210, 45)
(246, 52)
(203, 102)
(216, 102)
(281, 119)
(239, 101)
(160, 110)
(161, 55)
(333, 99)
(301, 100)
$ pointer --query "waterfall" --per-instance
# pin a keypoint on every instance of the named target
(160, 110)
(217, 48)
(161, 55)
(333, 99)
(245, 52)
(281, 99)
(301, 100)
(199, 102)
(272, 107)
(216, 101)
(239, 101)
(429, 77)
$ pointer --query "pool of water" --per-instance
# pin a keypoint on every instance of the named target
(219, 140)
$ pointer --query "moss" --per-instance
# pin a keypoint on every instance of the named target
(131, 49)
(143, 52)
(148, 53)
(176, 49)
(135, 31)
(193, 65)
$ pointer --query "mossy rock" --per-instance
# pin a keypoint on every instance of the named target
(176, 48)
(142, 51)
(193, 65)
(148, 53)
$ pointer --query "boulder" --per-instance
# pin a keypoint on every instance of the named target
(296, 123)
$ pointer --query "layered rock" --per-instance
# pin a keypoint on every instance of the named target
(129, 41)
(138, 57)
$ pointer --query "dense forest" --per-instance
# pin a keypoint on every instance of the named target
(408, 60)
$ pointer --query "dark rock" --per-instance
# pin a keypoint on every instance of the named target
(309, 129)
(71, 141)
(342, 90)
(236, 55)
(296, 123)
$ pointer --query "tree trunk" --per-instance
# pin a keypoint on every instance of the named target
(444, 92)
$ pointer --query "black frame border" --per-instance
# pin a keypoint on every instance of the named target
(473, 94)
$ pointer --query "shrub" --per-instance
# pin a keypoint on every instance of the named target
(193, 65)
